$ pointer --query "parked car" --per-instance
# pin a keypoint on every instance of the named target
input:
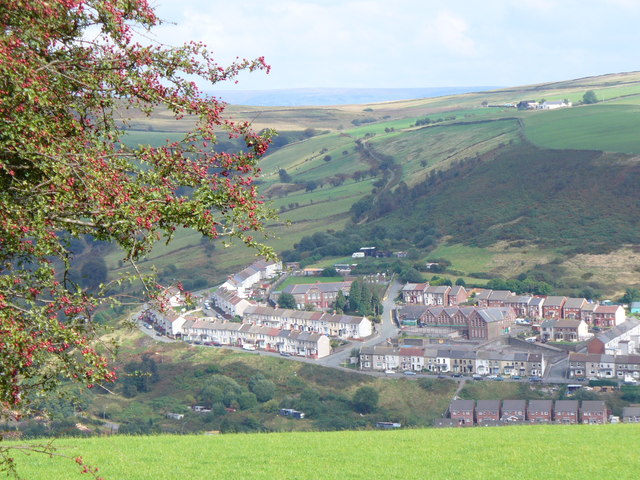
(249, 346)
(390, 372)
(535, 379)
(477, 377)
(285, 354)
(456, 375)
(442, 376)
(409, 372)
(515, 377)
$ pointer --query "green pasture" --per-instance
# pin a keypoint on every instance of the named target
(611, 128)
(439, 145)
(463, 257)
(522, 452)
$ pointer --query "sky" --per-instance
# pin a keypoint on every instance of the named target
(410, 43)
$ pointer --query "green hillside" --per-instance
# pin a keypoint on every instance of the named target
(479, 176)
(607, 127)
(555, 452)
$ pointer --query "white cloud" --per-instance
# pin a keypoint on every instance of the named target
(312, 43)
(451, 32)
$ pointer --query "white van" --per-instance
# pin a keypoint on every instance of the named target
(249, 346)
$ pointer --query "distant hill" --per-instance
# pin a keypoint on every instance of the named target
(464, 177)
(336, 96)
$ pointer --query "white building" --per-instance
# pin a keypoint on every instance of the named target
(306, 344)
(333, 325)
(229, 302)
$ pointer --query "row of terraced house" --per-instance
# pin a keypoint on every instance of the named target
(524, 306)
(451, 360)
(219, 333)
(494, 412)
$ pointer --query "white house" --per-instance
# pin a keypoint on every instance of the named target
(555, 104)
(306, 344)
(229, 302)
(334, 325)
(168, 321)
(242, 281)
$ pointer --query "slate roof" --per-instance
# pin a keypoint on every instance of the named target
(540, 406)
(576, 303)
(554, 301)
(618, 330)
(461, 405)
(302, 288)
(594, 406)
(566, 406)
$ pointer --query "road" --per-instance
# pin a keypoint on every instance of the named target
(385, 329)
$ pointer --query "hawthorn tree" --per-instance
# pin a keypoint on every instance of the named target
(72, 76)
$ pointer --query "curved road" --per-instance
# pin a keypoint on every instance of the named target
(385, 329)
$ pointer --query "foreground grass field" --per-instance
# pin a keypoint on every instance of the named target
(528, 452)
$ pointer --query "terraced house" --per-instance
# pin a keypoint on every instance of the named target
(425, 294)
(453, 359)
(595, 366)
(307, 344)
(333, 325)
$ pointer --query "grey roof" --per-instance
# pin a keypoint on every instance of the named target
(536, 301)
(494, 314)
(618, 330)
(631, 411)
(412, 311)
(554, 301)
(304, 315)
(514, 406)
(455, 290)
(409, 287)
(483, 294)
(500, 295)
(566, 406)
(593, 406)
(537, 406)
(574, 302)
(302, 288)
(441, 289)
(461, 405)
(519, 299)
(488, 405)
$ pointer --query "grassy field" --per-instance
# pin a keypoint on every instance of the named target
(526, 452)
(611, 128)
(498, 258)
